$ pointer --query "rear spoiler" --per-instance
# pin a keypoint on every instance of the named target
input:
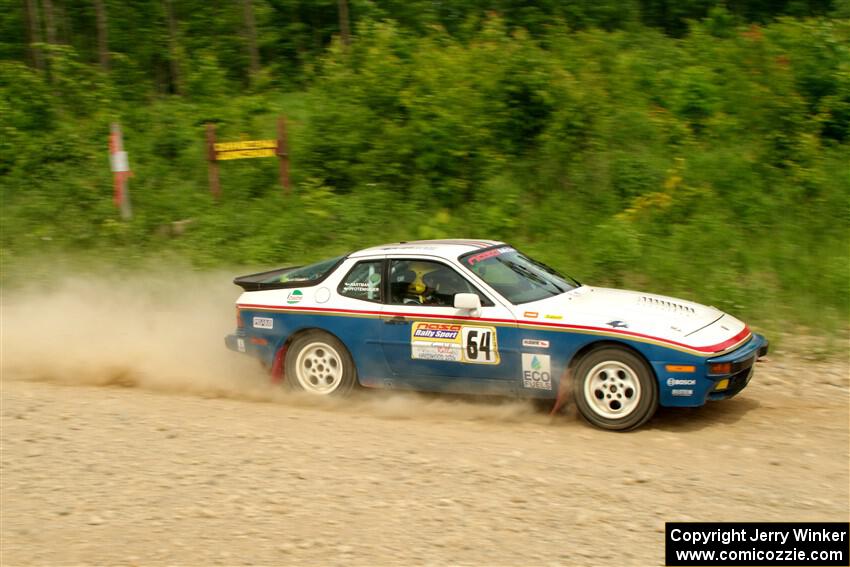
(268, 280)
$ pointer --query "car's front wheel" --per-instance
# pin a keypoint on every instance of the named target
(615, 389)
(319, 363)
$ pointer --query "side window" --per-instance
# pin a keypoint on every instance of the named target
(363, 282)
(421, 282)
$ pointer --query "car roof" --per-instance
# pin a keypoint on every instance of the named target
(452, 247)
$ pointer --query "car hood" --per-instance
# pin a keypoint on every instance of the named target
(659, 316)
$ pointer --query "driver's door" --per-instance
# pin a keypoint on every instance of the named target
(431, 345)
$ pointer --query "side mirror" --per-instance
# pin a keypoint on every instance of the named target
(467, 301)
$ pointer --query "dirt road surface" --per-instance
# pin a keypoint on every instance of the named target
(123, 451)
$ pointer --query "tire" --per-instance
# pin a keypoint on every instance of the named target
(319, 364)
(615, 389)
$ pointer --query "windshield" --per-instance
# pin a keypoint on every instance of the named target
(516, 277)
(305, 273)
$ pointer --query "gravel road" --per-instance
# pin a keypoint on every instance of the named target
(142, 464)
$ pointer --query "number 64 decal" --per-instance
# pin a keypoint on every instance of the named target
(480, 345)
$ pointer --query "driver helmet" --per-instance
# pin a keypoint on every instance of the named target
(420, 269)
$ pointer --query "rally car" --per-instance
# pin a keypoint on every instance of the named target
(478, 316)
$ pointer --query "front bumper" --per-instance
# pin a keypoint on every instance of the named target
(742, 362)
(693, 385)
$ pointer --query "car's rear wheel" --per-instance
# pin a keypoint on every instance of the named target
(319, 363)
(615, 389)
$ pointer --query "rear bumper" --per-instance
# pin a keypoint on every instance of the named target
(261, 348)
(235, 342)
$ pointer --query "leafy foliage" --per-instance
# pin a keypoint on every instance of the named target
(712, 166)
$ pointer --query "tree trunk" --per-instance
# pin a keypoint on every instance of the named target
(63, 24)
(343, 23)
(102, 37)
(251, 37)
(34, 34)
(49, 21)
(173, 49)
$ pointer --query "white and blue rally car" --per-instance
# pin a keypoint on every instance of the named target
(478, 316)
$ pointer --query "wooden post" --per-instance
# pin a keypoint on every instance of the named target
(121, 170)
(215, 187)
(283, 155)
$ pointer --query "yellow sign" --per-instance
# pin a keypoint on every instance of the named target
(244, 154)
(246, 145)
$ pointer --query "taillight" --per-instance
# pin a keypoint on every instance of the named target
(240, 324)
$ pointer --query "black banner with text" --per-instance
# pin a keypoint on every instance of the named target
(757, 543)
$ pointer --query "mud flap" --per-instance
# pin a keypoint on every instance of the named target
(277, 373)
(564, 386)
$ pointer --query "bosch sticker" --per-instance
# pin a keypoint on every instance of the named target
(680, 382)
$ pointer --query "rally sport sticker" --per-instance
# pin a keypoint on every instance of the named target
(454, 343)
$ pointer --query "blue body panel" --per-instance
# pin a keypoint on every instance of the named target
(383, 357)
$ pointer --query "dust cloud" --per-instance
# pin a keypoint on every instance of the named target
(162, 330)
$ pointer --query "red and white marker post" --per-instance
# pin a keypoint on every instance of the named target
(120, 166)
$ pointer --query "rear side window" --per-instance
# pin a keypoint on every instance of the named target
(313, 272)
(363, 282)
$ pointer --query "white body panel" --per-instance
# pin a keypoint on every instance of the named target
(632, 313)
(666, 318)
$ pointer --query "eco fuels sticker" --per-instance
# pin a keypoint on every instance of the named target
(295, 296)
(449, 342)
(536, 371)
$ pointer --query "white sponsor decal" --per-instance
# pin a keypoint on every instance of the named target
(479, 345)
(536, 371)
(534, 343)
(240, 345)
(263, 323)
(295, 296)
(680, 382)
(454, 343)
(682, 392)
(360, 286)
(322, 295)
(446, 352)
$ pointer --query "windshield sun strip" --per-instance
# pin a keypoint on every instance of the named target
(462, 259)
